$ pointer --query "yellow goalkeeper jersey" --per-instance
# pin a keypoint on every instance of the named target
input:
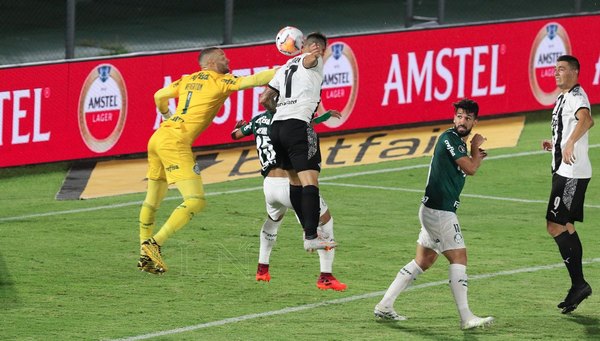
(201, 95)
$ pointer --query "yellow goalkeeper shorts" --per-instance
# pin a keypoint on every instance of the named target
(170, 157)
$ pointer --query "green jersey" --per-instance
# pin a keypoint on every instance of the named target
(446, 180)
(260, 126)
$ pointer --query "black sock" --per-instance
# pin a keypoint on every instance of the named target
(311, 208)
(566, 246)
(296, 199)
(577, 259)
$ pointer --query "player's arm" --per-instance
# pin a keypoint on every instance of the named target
(257, 79)
(268, 99)
(584, 123)
(162, 96)
(312, 59)
(470, 164)
(327, 115)
(239, 130)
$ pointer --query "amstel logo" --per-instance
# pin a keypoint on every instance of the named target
(340, 82)
(550, 43)
(102, 108)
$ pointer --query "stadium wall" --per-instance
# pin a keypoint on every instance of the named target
(96, 108)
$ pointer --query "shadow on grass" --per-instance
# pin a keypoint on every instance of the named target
(591, 325)
(8, 293)
(434, 334)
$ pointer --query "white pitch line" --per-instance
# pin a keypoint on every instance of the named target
(462, 195)
(125, 204)
(334, 177)
(331, 302)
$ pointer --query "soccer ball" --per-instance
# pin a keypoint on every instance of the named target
(289, 41)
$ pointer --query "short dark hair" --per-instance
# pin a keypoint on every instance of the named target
(572, 61)
(468, 105)
(316, 37)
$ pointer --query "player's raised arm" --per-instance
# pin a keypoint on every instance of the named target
(257, 79)
(470, 164)
(268, 99)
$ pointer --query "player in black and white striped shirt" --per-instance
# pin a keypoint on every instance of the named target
(571, 173)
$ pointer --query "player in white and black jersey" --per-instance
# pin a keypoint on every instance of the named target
(294, 94)
(571, 173)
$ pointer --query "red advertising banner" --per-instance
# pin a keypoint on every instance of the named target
(105, 107)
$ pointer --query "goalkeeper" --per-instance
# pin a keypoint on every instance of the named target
(170, 158)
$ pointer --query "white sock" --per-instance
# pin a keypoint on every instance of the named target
(457, 274)
(326, 257)
(403, 279)
(268, 236)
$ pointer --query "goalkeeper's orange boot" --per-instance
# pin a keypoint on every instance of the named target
(327, 281)
(152, 250)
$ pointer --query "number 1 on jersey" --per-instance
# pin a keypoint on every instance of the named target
(288, 80)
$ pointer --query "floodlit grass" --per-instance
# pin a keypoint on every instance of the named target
(69, 274)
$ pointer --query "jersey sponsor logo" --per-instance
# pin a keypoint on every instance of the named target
(450, 148)
(262, 131)
(550, 43)
(264, 120)
(340, 82)
(288, 102)
(102, 108)
(172, 168)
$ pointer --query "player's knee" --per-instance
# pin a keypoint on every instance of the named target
(148, 206)
(554, 229)
(147, 213)
(195, 205)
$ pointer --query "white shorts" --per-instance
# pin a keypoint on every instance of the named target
(277, 197)
(440, 230)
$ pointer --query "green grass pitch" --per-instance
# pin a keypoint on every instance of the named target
(67, 268)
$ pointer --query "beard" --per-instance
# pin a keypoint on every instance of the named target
(464, 132)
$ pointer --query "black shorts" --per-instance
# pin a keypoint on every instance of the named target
(566, 200)
(296, 145)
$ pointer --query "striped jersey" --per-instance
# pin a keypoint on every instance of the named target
(445, 180)
(563, 123)
(299, 89)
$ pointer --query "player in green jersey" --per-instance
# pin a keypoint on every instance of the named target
(440, 230)
(276, 188)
